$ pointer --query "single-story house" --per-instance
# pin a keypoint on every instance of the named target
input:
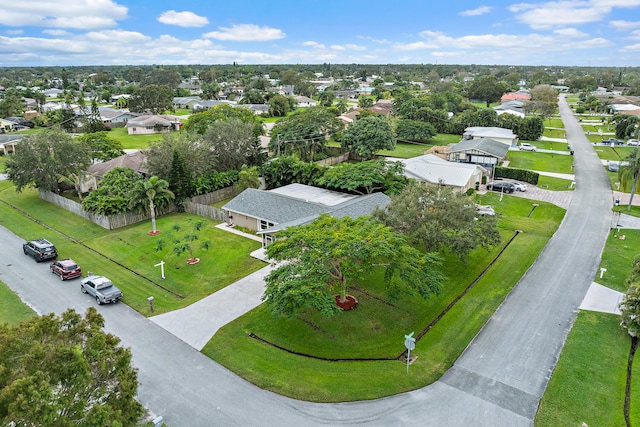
(112, 116)
(6, 126)
(305, 101)
(515, 96)
(183, 101)
(270, 211)
(257, 109)
(512, 107)
(8, 143)
(505, 136)
(432, 169)
(485, 152)
(205, 105)
(136, 161)
(148, 124)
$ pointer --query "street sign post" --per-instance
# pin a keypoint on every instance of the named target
(410, 344)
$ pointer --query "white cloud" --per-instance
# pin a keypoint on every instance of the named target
(313, 44)
(477, 11)
(246, 32)
(78, 14)
(624, 25)
(183, 19)
(56, 32)
(14, 32)
(567, 12)
(570, 32)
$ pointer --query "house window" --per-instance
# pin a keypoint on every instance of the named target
(264, 224)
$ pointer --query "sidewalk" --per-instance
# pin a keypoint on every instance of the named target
(197, 323)
(602, 299)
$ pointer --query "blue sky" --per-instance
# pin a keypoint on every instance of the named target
(111, 32)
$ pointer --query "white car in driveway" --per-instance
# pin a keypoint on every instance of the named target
(527, 147)
(520, 186)
(633, 142)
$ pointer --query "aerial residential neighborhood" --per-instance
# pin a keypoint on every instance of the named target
(231, 217)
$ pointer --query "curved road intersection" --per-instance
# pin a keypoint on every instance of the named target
(497, 381)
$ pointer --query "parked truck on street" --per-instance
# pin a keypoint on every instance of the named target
(101, 288)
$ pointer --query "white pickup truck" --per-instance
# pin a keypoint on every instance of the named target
(101, 288)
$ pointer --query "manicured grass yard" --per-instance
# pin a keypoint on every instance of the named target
(12, 309)
(375, 329)
(554, 184)
(559, 163)
(617, 258)
(129, 252)
(136, 142)
(588, 382)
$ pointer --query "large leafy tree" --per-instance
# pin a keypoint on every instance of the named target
(199, 122)
(629, 173)
(180, 179)
(103, 147)
(488, 89)
(626, 125)
(155, 99)
(66, 371)
(544, 101)
(530, 128)
(304, 133)
(233, 144)
(322, 259)
(368, 135)
(42, 158)
(440, 219)
(366, 177)
(414, 130)
(148, 195)
(198, 158)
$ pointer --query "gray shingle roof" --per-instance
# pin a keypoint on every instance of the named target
(287, 211)
(484, 145)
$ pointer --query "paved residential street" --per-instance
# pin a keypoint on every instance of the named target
(498, 380)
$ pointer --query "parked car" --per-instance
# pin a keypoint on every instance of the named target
(633, 142)
(520, 186)
(614, 141)
(65, 269)
(613, 166)
(40, 249)
(101, 288)
(527, 147)
(501, 186)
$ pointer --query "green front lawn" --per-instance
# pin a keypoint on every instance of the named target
(127, 255)
(555, 184)
(617, 257)
(548, 162)
(376, 328)
(134, 142)
(588, 383)
(12, 309)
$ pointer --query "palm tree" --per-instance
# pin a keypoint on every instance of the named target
(149, 194)
(630, 172)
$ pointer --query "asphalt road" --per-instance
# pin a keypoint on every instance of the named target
(497, 381)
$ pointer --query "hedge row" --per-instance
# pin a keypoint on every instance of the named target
(517, 174)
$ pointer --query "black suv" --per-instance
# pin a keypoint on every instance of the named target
(502, 186)
(40, 249)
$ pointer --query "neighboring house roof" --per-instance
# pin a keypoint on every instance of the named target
(108, 113)
(136, 161)
(509, 108)
(515, 97)
(183, 100)
(304, 100)
(256, 108)
(434, 170)
(153, 120)
(292, 204)
(484, 145)
(203, 105)
(488, 132)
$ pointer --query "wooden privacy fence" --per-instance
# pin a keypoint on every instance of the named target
(198, 205)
